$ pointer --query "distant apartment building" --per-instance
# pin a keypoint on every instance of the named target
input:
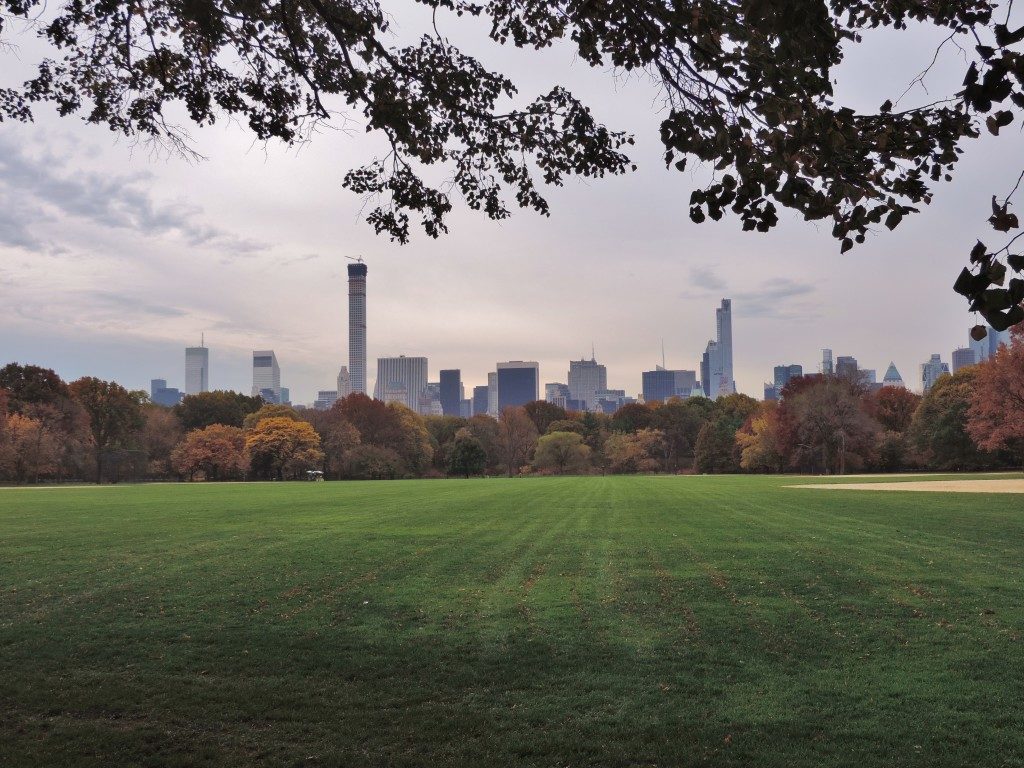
(492, 395)
(161, 394)
(466, 408)
(518, 383)
(963, 358)
(325, 399)
(847, 368)
(557, 393)
(451, 391)
(781, 376)
(479, 401)
(197, 370)
(430, 400)
(662, 384)
(586, 378)
(827, 367)
(266, 376)
(987, 347)
(401, 379)
(931, 371)
(610, 400)
(344, 383)
(892, 377)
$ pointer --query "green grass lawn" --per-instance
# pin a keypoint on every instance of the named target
(629, 621)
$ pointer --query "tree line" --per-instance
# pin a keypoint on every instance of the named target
(96, 430)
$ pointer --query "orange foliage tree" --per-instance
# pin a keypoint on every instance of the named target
(995, 419)
(218, 451)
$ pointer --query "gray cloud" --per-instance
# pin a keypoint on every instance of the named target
(779, 297)
(113, 201)
(132, 305)
(705, 277)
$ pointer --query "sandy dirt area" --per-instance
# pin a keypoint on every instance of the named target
(1005, 485)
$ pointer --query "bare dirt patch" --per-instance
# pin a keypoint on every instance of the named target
(1005, 485)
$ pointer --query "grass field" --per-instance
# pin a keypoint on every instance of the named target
(630, 621)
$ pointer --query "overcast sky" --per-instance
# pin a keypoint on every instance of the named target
(113, 258)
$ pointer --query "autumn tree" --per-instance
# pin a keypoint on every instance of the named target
(40, 394)
(543, 413)
(373, 462)
(631, 417)
(995, 418)
(115, 416)
(893, 407)
(831, 431)
(281, 447)
(640, 451)
(269, 411)
(516, 438)
(218, 451)
(217, 407)
(31, 449)
(758, 440)
(466, 454)
(161, 433)
(337, 437)
(561, 453)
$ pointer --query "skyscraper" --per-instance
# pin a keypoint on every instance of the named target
(266, 375)
(985, 348)
(892, 377)
(197, 369)
(847, 367)
(557, 393)
(451, 391)
(400, 379)
(931, 371)
(661, 384)
(586, 379)
(479, 400)
(492, 395)
(781, 376)
(826, 362)
(518, 383)
(344, 383)
(963, 357)
(716, 367)
(357, 327)
(723, 320)
(161, 394)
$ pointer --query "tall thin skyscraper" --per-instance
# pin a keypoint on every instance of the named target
(344, 383)
(197, 369)
(357, 326)
(723, 319)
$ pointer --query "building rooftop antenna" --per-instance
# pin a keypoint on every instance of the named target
(662, 351)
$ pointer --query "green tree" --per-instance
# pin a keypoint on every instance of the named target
(939, 427)
(543, 413)
(561, 453)
(217, 407)
(715, 450)
(466, 456)
(115, 416)
(681, 421)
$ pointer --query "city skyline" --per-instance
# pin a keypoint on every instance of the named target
(143, 254)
